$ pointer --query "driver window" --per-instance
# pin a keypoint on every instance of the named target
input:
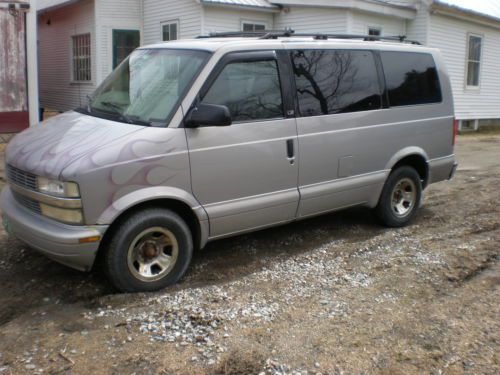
(251, 91)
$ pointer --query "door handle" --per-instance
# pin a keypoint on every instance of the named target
(290, 151)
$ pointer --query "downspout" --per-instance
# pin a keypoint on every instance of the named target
(141, 11)
(32, 63)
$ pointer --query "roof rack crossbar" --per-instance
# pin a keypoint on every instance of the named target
(275, 34)
(237, 34)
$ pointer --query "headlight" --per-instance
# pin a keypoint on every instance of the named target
(72, 216)
(58, 188)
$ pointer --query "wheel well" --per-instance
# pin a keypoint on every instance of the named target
(180, 208)
(419, 163)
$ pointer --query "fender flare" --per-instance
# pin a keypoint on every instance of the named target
(407, 151)
(151, 194)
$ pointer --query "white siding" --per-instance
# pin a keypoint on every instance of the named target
(56, 89)
(417, 29)
(218, 19)
(317, 20)
(187, 12)
(114, 14)
(390, 26)
(450, 36)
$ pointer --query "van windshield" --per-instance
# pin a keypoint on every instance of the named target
(147, 87)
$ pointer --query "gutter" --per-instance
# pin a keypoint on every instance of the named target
(225, 5)
(440, 7)
(369, 6)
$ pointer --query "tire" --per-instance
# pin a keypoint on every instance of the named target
(149, 251)
(400, 198)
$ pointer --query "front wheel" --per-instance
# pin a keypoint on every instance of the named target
(150, 250)
(400, 197)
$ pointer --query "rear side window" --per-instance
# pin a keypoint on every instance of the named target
(411, 78)
(335, 81)
(251, 91)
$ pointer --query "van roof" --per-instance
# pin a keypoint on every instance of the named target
(215, 43)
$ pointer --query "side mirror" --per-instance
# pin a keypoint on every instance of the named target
(208, 115)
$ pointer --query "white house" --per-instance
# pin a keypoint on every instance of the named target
(82, 40)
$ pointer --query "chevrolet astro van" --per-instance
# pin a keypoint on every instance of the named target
(195, 140)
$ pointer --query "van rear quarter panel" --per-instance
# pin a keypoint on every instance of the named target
(373, 142)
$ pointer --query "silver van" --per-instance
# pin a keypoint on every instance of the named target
(195, 140)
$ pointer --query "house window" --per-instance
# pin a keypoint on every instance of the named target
(81, 58)
(475, 44)
(375, 31)
(170, 30)
(124, 42)
(253, 27)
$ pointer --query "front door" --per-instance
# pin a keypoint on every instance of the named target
(124, 42)
(245, 175)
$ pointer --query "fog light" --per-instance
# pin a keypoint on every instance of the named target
(62, 214)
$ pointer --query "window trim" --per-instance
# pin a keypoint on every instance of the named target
(73, 79)
(254, 22)
(467, 60)
(175, 21)
(250, 56)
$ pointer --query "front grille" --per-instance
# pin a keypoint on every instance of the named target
(29, 203)
(24, 179)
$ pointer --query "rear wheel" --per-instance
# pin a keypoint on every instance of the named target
(400, 197)
(149, 251)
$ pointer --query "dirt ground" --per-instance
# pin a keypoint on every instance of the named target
(337, 294)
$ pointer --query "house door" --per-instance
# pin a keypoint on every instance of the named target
(124, 42)
(14, 115)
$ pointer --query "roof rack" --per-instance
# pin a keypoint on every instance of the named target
(287, 33)
(240, 34)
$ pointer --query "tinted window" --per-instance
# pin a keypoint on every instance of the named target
(411, 78)
(251, 90)
(335, 81)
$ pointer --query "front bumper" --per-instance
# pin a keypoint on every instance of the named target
(57, 241)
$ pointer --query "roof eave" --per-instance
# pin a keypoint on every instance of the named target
(370, 6)
(439, 7)
(273, 9)
(57, 6)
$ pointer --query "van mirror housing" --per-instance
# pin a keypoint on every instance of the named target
(208, 115)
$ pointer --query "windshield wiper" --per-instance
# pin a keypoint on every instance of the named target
(117, 109)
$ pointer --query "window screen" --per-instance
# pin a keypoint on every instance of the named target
(82, 69)
(251, 91)
(411, 78)
(335, 81)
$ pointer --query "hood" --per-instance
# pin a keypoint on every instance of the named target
(49, 147)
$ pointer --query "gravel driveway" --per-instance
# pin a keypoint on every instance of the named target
(331, 295)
